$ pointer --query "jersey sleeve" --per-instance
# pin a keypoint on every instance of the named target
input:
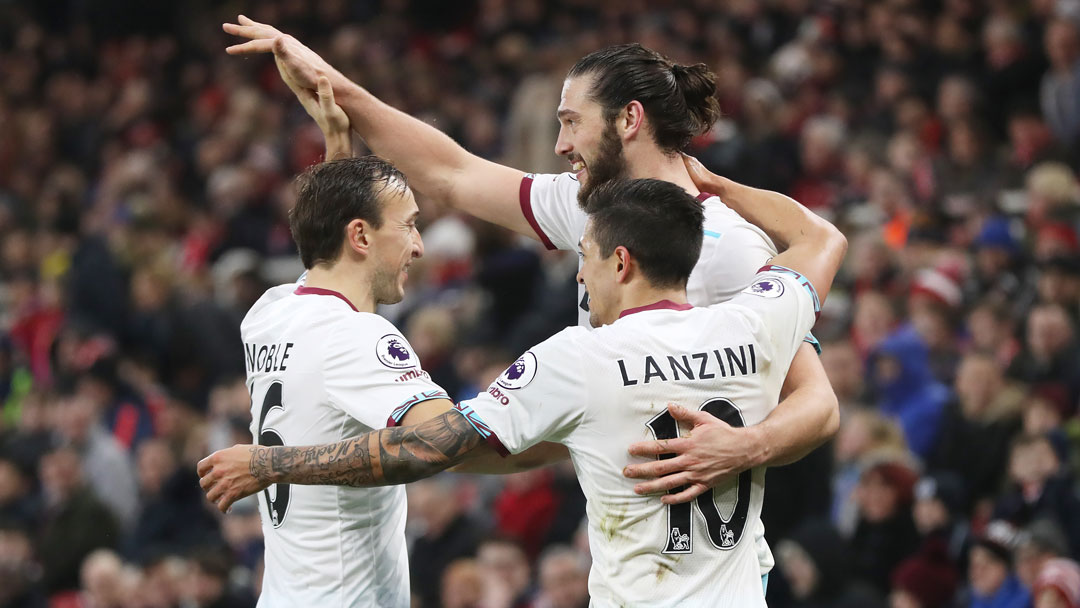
(373, 374)
(549, 203)
(540, 397)
(738, 252)
(787, 305)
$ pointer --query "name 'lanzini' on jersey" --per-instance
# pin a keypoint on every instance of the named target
(320, 372)
(732, 251)
(599, 391)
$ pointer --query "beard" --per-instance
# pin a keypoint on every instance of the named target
(609, 164)
(384, 286)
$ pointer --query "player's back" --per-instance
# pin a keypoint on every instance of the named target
(713, 359)
(325, 545)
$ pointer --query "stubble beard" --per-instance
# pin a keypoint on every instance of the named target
(609, 164)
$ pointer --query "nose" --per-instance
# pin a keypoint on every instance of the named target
(580, 277)
(563, 147)
(418, 247)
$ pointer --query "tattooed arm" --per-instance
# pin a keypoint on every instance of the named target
(385, 457)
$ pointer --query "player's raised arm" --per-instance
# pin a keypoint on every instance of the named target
(435, 165)
(332, 120)
(809, 245)
(808, 413)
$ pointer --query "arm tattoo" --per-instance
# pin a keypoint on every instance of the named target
(385, 457)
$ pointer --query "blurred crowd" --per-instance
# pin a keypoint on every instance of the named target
(145, 179)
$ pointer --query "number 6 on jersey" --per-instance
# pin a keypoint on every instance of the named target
(724, 533)
(278, 502)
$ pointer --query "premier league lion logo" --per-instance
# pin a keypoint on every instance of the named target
(397, 351)
(394, 352)
(516, 370)
(520, 373)
(766, 288)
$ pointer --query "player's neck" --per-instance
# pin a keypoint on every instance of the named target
(346, 281)
(651, 163)
(640, 295)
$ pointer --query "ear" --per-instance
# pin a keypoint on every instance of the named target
(631, 120)
(358, 237)
(622, 264)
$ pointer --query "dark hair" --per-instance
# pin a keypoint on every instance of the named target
(332, 194)
(659, 223)
(680, 101)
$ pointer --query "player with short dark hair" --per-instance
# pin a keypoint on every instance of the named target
(322, 367)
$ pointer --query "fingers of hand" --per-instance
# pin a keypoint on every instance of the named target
(650, 470)
(663, 484)
(690, 493)
(657, 447)
(251, 47)
(326, 95)
(695, 417)
(204, 466)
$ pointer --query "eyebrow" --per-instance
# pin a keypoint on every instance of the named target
(564, 113)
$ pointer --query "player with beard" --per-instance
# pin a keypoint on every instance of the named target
(625, 111)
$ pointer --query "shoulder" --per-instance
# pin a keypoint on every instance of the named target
(372, 335)
(269, 298)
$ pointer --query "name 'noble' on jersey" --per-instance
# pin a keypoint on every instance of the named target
(320, 372)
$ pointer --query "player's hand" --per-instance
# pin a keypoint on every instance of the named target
(713, 453)
(226, 476)
(705, 180)
(332, 120)
(303, 65)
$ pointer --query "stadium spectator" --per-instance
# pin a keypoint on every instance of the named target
(885, 533)
(906, 390)
(992, 581)
(563, 578)
(1036, 545)
(1040, 488)
(1058, 585)
(817, 566)
(984, 412)
(447, 534)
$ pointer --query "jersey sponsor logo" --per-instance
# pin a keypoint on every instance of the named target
(520, 373)
(394, 352)
(766, 287)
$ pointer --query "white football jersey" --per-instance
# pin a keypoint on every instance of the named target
(599, 391)
(732, 251)
(320, 372)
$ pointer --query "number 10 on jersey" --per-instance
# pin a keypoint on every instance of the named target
(724, 533)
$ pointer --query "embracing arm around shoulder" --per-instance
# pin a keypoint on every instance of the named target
(435, 437)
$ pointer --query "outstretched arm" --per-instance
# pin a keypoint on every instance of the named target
(433, 437)
(808, 414)
(808, 244)
(385, 457)
(437, 167)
